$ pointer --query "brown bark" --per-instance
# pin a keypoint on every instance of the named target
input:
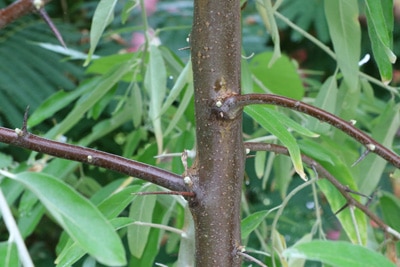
(218, 170)
(17, 10)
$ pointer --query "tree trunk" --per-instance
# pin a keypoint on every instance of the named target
(218, 170)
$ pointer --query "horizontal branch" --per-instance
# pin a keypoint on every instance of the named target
(18, 9)
(322, 172)
(24, 139)
(230, 106)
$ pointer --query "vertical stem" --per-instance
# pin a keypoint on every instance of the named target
(218, 169)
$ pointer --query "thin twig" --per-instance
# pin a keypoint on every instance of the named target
(94, 157)
(251, 258)
(323, 173)
(16, 10)
(231, 106)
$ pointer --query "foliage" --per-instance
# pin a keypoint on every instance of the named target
(137, 102)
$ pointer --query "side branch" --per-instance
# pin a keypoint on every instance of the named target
(231, 105)
(24, 139)
(18, 9)
(344, 190)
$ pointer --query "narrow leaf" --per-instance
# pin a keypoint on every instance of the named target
(8, 254)
(338, 254)
(103, 15)
(326, 100)
(111, 207)
(141, 210)
(155, 83)
(390, 206)
(331, 158)
(99, 87)
(78, 217)
(267, 14)
(384, 131)
(344, 28)
(271, 123)
(380, 24)
(251, 222)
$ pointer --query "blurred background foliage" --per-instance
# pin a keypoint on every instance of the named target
(119, 120)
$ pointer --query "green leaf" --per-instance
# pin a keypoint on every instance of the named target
(110, 207)
(326, 100)
(383, 131)
(251, 222)
(259, 163)
(178, 114)
(291, 124)
(71, 53)
(344, 28)
(9, 254)
(282, 78)
(155, 83)
(282, 169)
(128, 7)
(380, 26)
(141, 210)
(269, 121)
(77, 216)
(390, 206)
(103, 15)
(55, 103)
(337, 201)
(104, 65)
(338, 254)
(330, 157)
(267, 15)
(184, 78)
(99, 87)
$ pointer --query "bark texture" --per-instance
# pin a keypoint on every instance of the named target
(217, 173)
(16, 10)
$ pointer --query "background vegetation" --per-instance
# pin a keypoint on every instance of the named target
(135, 99)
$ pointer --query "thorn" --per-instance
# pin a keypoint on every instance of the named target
(46, 18)
(341, 209)
(356, 193)
(372, 196)
(184, 48)
(363, 155)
